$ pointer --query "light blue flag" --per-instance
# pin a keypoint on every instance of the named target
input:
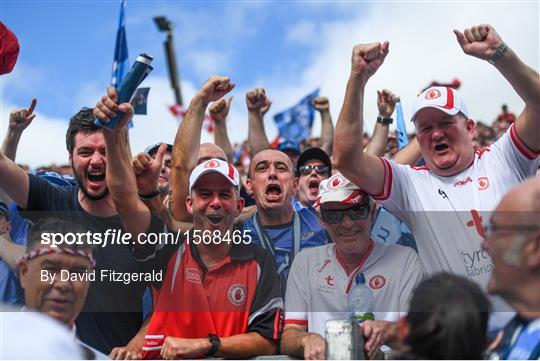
(295, 123)
(120, 61)
(402, 138)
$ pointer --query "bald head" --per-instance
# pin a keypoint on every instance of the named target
(523, 201)
(268, 153)
(208, 151)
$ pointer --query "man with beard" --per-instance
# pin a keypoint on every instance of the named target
(276, 225)
(112, 313)
(443, 202)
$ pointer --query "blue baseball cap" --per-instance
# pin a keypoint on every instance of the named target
(289, 145)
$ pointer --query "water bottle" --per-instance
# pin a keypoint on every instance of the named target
(140, 69)
(361, 301)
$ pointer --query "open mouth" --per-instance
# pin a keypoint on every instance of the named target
(273, 191)
(441, 147)
(215, 219)
(96, 176)
(313, 186)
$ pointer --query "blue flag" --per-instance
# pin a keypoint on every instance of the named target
(120, 61)
(402, 137)
(295, 123)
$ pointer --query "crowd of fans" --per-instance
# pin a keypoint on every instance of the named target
(256, 246)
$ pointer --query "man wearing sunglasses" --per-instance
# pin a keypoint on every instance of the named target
(312, 168)
(321, 277)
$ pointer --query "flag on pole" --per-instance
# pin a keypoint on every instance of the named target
(402, 137)
(120, 62)
(295, 123)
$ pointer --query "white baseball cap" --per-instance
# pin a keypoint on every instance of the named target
(215, 165)
(337, 188)
(443, 98)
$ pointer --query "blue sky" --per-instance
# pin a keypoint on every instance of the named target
(290, 48)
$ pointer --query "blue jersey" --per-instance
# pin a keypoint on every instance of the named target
(282, 238)
(10, 289)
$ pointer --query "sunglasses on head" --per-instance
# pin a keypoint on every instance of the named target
(355, 213)
(320, 169)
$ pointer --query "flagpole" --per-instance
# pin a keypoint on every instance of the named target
(164, 25)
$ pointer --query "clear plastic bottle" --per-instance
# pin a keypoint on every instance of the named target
(361, 301)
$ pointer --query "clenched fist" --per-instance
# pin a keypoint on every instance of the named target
(214, 88)
(480, 41)
(367, 58)
(386, 102)
(257, 101)
(321, 104)
(220, 109)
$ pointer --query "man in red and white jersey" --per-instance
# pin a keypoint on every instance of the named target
(219, 295)
(444, 202)
(321, 277)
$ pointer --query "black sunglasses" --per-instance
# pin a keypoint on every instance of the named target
(355, 213)
(320, 169)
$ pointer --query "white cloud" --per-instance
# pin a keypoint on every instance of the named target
(303, 32)
(422, 48)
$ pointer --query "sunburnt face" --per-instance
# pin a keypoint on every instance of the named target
(350, 236)
(214, 203)
(445, 141)
(272, 181)
(89, 164)
(63, 299)
(308, 184)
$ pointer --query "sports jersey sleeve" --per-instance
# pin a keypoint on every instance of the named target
(513, 154)
(296, 296)
(266, 313)
(397, 185)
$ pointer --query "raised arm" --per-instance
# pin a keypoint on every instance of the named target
(257, 105)
(322, 105)
(386, 102)
(365, 170)
(483, 42)
(410, 154)
(188, 140)
(19, 119)
(10, 252)
(120, 175)
(219, 111)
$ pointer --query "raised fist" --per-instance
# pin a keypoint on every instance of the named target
(19, 119)
(480, 41)
(214, 88)
(220, 109)
(321, 104)
(257, 101)
(386, 102)
(367, 58)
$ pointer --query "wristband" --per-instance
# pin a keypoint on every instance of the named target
(147, 197)
(215, 341)
(498, 53)
(385, 120)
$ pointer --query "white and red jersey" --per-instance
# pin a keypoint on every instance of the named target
(318, 286)
(446, 214)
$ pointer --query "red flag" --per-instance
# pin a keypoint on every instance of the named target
(180, 112)
(9, 50)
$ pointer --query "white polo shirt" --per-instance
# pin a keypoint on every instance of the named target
(318, 286)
